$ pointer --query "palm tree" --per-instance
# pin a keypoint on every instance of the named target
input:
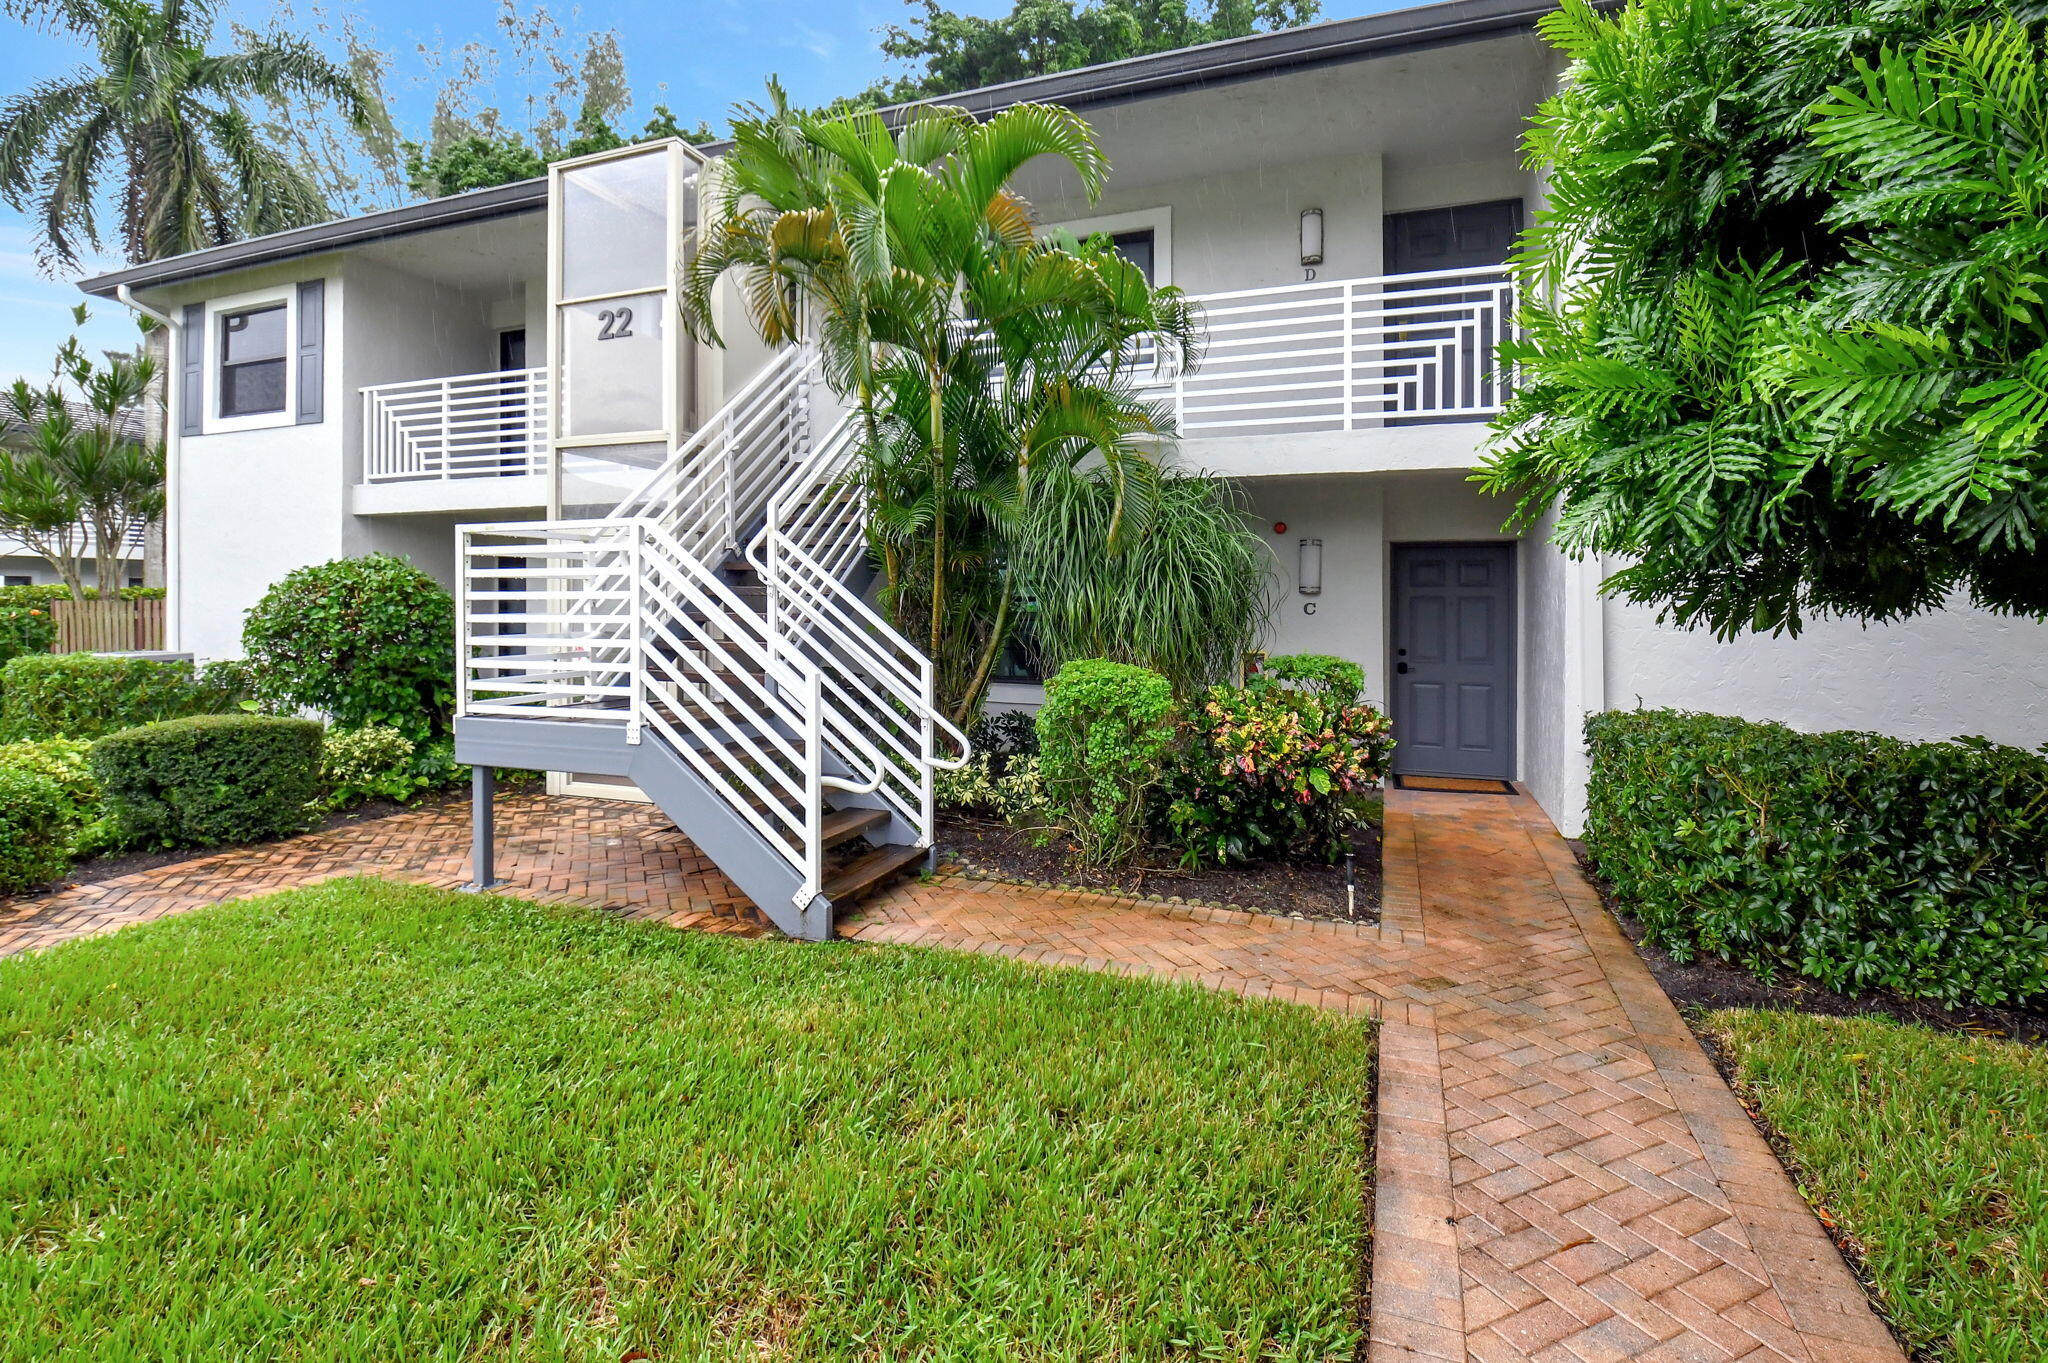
(84, 478)
(971, 350)
(154, 123)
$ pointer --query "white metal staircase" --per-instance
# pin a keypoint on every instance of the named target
(708, 642)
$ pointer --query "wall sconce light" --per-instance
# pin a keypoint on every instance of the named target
(1311, 236)
(1308, 575)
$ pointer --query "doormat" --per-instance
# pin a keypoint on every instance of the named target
(1455, 785)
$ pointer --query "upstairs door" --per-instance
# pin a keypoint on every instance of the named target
(1454, 660)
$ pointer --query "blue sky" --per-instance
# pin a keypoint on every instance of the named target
(697, 57)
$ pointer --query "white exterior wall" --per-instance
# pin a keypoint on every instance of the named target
(1956, 671)
(251, 505)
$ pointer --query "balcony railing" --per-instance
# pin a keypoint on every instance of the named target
(462, 426)
(1347, 354)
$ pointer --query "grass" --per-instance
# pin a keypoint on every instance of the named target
(1929, 1150)
(372, 1121)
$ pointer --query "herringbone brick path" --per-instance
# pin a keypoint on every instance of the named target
(1562, 1176)
(609, 854)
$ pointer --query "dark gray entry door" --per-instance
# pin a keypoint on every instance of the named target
(1454, 659)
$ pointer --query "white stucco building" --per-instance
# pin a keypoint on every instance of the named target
(1340, 197)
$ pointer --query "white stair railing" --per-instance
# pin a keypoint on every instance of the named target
(615, 620)
(813, 538)
(709, 492)
(492, 425)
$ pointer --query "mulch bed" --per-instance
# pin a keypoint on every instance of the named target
(1294, 889)
(102, 869)
(1705, 984)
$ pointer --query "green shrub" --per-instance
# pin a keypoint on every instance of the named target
(210, 780)
(66, 762)
(1278, 766)
(1012, 788)
(366, 641)
(25, 629)
(42, 594)
(35, 832)
(362, 764)
(1338, 679)
(1103, 733)
(1854, 859)
(82, 695)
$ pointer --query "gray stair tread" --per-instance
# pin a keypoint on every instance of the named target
(844, 825)
(863, 873)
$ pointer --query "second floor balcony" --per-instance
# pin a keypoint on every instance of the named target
(456, 443)
(1393, 371)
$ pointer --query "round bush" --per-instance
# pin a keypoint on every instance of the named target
(366, 641)
(35, 829)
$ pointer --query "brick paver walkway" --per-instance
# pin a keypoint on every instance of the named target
(612, 855)
(1562, 1177)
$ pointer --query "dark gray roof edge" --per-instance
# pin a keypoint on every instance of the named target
(478, 205)
(1230, 60)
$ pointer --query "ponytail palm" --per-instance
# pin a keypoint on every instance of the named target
(155, 123)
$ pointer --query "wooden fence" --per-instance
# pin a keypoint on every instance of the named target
(108, 626)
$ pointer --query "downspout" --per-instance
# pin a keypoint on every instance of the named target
(173, 446)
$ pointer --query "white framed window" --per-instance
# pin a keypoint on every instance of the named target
(1145, 237)
(250, 380)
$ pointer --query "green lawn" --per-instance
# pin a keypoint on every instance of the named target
(1931, 1151)
(367, 1121)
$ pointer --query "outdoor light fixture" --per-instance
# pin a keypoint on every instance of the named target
(1309, 573)
(1311, 236)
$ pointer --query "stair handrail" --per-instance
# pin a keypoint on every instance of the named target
(814, 613)
(716, 470)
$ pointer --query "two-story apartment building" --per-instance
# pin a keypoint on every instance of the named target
(1340, 198)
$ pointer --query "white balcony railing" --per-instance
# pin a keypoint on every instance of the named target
(1347, 354)
(461, 426)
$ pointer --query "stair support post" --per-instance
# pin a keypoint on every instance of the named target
(814, 802)
(483, 831)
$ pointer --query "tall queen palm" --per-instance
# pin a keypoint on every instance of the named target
(970, 348)
(154, 127)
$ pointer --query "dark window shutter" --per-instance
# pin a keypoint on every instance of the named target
(312, 332)
(192, 370)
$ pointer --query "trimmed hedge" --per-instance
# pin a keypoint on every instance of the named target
(35, 829)
(1854, 859)
(42, 594)
(84, 695)
(210, 779)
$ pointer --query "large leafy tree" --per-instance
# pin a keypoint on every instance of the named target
(155, 127)
(975, 353)
(1785, 312)
(952, 51)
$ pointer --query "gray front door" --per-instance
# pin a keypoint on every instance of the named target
(1454, 659)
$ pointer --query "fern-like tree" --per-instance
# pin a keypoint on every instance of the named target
(972, 351)
(1786, 310)
(79, 476)
(155, 126)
